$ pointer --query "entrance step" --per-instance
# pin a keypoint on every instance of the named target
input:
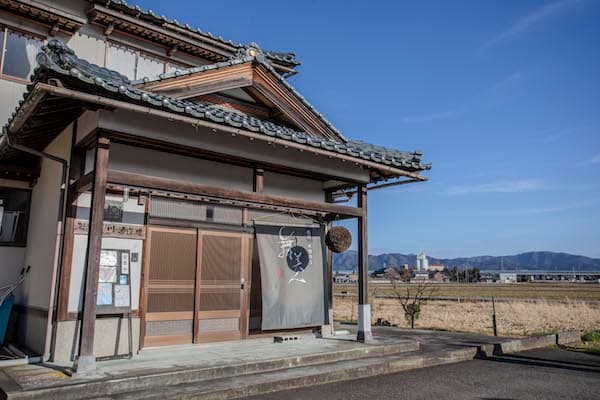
(156, 380)
(292, 378)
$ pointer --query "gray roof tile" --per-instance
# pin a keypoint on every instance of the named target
(57, 58)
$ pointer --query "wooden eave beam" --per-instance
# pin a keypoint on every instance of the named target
(258, 81)
(171, 185)
(48, 15)
(97, 13)
(288, 102)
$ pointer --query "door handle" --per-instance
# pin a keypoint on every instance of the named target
(242, 283)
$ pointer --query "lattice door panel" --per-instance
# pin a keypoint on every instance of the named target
(170, 286)
(223, 259)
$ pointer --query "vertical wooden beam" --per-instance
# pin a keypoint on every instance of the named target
(76, 167)
(364, 308)
(259, 179)
(329, 273)
(86, 361)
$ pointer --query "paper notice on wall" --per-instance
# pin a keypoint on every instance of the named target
(122, 296)
(104, 294)
(125, 263)
(108, 258)
(107, 274)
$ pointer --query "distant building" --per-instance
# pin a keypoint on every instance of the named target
(508, 277)
(436, 268)
(422, 263)
(421, 276)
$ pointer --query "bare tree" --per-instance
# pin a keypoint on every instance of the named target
(411, 296)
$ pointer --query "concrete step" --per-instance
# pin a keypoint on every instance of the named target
(292, 378)
(82, 388)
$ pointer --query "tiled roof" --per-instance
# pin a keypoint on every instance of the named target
(245, 57)
(57, 59)
(160, 20)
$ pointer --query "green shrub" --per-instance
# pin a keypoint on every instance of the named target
(591, 336)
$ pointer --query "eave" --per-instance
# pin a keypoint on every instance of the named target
(259, 79)
(56, 20)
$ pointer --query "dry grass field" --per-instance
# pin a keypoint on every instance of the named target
(548, 291)
(531, 310)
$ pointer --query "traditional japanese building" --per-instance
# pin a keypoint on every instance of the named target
(166, 185)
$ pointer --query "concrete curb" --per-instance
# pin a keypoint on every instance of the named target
(530, 343)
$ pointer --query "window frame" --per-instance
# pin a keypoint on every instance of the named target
(5, 28)
(138, 51)
(27, 214)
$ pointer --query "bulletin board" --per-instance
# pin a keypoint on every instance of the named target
(114, 282)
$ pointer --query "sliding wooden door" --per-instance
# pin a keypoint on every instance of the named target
(196, 286)
(169, 286)
(223, 282)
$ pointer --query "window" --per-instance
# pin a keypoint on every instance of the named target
(136, 64)
(18, 53)
(14, 214)
(133, 63)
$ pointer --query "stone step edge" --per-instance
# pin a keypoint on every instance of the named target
(257, 384)
(198, 374)
(527, 343)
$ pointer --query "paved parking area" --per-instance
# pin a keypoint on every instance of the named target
(536, 374)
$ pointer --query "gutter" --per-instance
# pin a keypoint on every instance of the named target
(60, 232)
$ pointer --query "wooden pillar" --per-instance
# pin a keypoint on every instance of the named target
(329, 273)
(259, 179)
(364, 308)
(86, 360)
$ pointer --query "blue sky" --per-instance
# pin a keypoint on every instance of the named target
(502, 97)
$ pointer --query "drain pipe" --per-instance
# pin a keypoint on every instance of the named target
(60, 233)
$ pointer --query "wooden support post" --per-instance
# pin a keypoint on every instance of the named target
(86, 360)
(259, 179)
(364, 308)
(329, 274)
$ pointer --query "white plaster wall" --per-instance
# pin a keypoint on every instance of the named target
(89, 44)
(225, 143)
(165, 165)
(43, 222)
(292, 186)
(105, 339)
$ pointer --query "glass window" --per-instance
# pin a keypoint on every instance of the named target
(149, 67)
(14, 213)
(122, 60)
(19, 54)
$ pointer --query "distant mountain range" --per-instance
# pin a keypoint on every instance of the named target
(533, 260)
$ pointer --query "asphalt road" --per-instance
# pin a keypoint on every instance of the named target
(536, 374)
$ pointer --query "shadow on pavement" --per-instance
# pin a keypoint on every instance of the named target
(521, 360)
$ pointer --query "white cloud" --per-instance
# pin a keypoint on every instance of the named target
(595, 159)
(525, 23)
(514, 186)
(552, 209)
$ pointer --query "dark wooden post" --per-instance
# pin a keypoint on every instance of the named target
(329, 274)
(364, 308)
(86, 360)
(259, 175)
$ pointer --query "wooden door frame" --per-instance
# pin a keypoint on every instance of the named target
(145, 274)
(247, 242)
